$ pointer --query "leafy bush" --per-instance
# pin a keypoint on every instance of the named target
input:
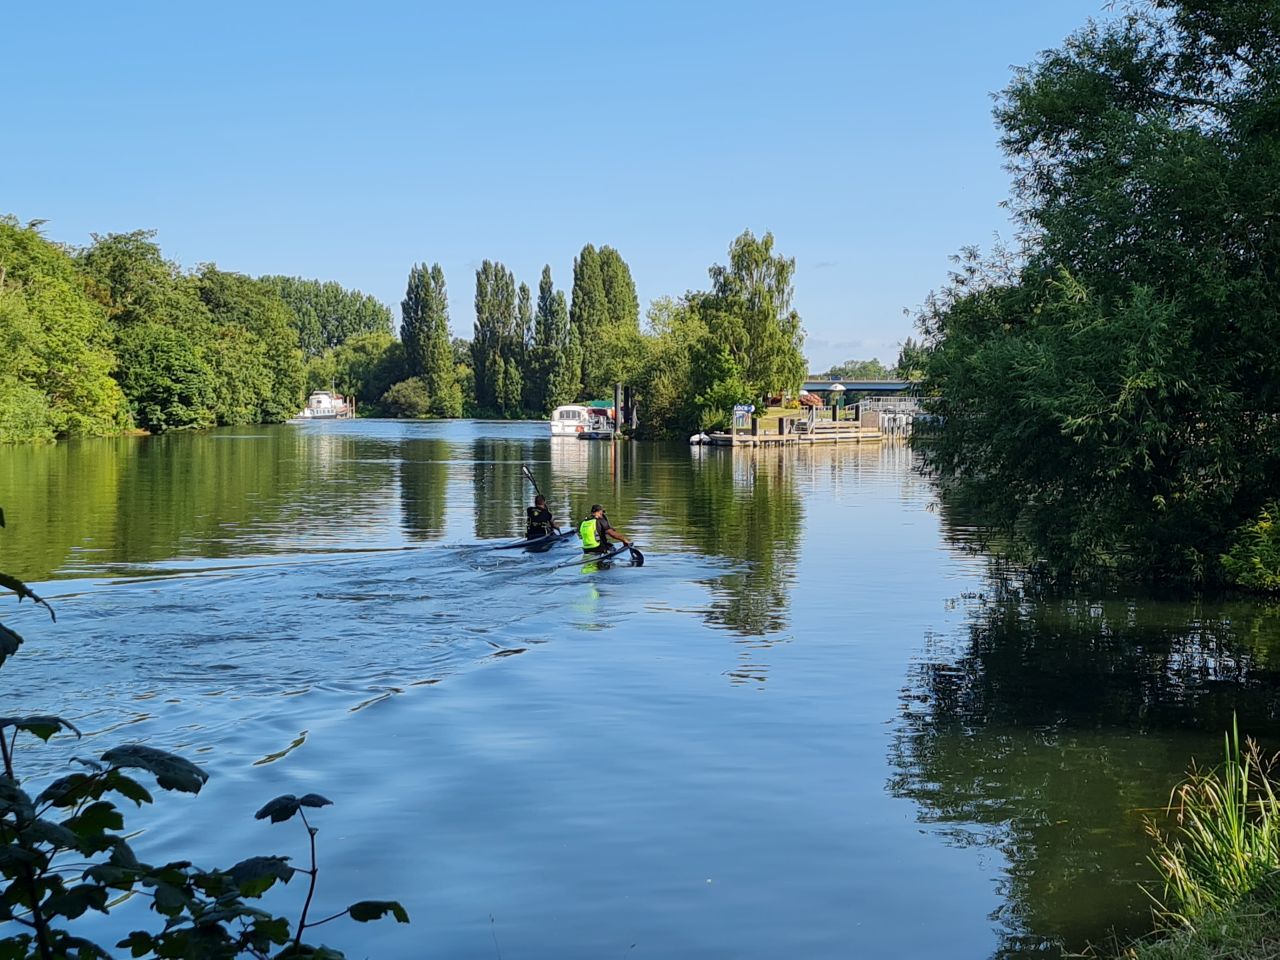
(64, 851)
(1253, 562)
(408, 398)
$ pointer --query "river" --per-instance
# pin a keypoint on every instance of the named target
(809, 726)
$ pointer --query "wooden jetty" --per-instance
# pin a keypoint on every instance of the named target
(821, 433)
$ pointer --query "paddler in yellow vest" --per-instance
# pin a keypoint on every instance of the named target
(595, 532)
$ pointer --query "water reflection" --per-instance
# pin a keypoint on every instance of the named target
(424, 487)
(1054, 727)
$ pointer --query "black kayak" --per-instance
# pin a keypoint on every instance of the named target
(538, 544)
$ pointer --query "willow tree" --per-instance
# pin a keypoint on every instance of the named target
(750, 318)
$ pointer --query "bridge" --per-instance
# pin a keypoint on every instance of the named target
(821, 385)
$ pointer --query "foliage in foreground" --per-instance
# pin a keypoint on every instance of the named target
(1225, 842)
(64, 851)
(1111, 396)
(1249, 930)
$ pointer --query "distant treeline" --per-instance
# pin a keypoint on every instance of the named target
(112, 336)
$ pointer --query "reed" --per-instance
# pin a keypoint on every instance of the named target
(1223, 844)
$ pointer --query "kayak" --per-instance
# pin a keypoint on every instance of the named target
(606, 559)
(538, 544)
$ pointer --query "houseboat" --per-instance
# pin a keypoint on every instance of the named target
(589, 422)
(324, 405)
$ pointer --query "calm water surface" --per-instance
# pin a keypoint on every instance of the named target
(809, 726)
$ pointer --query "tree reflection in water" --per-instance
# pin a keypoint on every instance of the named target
(1050, 728)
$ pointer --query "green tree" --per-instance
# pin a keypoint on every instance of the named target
(61, 340)
(871, 369)
(163, 330)
(255, 354)
(1111, 399)
(749, 313)
(164, 374)
(497, 349)
(426, 336)
(665, 384)
(326, 314)
(365, 366)
(408, 398)
(588, 316)
(912, 360)
(621, 303)
(553, 369)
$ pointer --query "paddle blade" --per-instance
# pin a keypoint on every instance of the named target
(637, 557)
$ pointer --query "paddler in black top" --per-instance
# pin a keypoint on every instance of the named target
(539, 522)
(595, 531)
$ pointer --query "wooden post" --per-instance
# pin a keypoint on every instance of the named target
(755, 426)
(617, 410)
(782, 426)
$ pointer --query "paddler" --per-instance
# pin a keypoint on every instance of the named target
(596, 531)
(538, 520)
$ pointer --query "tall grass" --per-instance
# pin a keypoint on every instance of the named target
(1224, 842)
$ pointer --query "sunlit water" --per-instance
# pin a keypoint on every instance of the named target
(807, 727)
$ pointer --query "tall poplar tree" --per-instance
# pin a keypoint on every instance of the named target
(622, 304)
(588, 316)
(414, 318)
(497, 348)
(426, 338)
(438, 372)
(552, 376)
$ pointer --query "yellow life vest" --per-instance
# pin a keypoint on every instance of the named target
(587, 533)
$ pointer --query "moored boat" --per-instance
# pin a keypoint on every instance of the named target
(324, 405)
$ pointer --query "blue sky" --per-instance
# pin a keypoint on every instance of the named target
(348, 141)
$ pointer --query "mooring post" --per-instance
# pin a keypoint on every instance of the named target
(617, 410)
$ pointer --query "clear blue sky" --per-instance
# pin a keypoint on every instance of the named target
(347, 141)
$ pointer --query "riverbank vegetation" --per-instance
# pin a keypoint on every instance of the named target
(1219, 861)
(1110, 390)
(114, 336)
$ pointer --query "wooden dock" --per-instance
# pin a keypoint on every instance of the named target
(822, 434)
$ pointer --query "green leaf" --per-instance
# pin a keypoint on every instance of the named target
(139, 943)
(73, 902)
(46, 831)
(284, 807)
(14, 585)
(9, 643)
(170, 900)
(257, 875)
(110, 875)
(122, 855)
(275, 929)
(43, 727)
(128, 788)
(96, 819)
(69, 790)
(13, 798)
(171, 771)
(365, 910)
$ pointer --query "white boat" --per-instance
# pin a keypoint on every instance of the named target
(569, 420)
(323, 405)
(585, 423)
